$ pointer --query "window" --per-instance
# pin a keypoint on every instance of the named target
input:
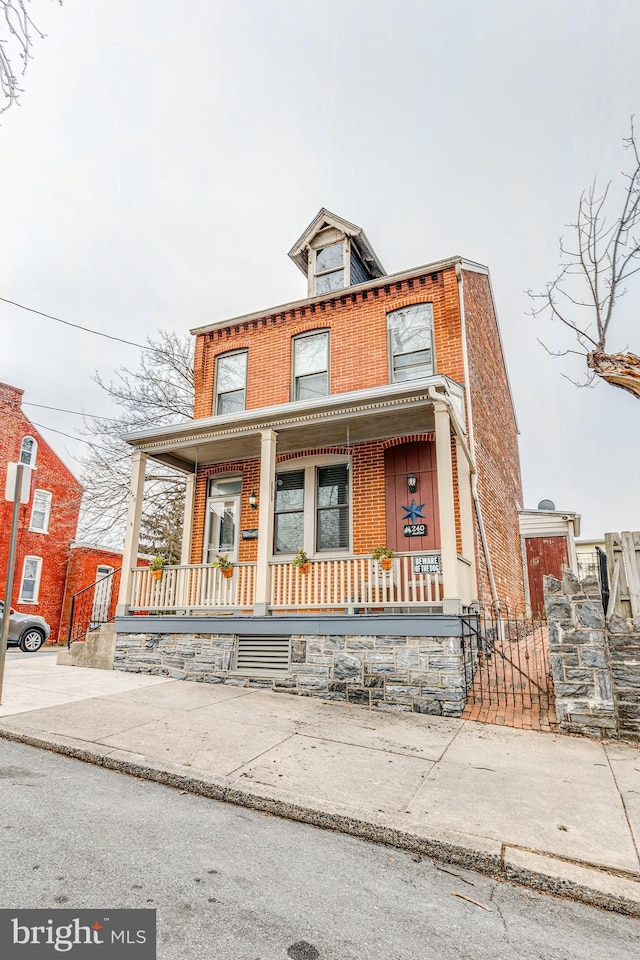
(289, 512)
(28, 451)
(30, 585)
(40, 511)
(332, 507)
(311, 366)
(329, 268)
(231, 383)
(312, 508)
(410, 332)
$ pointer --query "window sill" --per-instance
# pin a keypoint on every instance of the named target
(37, 530)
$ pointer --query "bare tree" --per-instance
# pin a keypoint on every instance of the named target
(17, 30)
(595, 268)
(159, 392)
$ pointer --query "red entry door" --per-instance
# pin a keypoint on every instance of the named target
(399, 463)
(545, 555)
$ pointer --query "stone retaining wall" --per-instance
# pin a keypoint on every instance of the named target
(595, 665)
(624, 655)
(418, 674)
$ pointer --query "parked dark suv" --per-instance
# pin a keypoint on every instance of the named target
(26, 631)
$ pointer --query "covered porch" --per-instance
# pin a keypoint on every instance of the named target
(439, 580)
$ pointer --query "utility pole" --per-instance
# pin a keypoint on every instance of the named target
(18, 490)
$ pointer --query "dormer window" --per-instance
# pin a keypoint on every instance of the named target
(333, 254)
(329, 268)
(28, 451)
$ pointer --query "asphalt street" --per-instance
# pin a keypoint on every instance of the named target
(232, 884)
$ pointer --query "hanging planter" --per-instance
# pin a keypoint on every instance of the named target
(301, 561)
(384, 556)
(224, 565)
(156, 566)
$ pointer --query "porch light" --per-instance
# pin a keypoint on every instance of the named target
(412, 483)
(253, 500)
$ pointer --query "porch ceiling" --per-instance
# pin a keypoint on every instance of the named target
(355, 417)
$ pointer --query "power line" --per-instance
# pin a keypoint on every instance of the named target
(77, 326)
(62, 434)
(77, 413)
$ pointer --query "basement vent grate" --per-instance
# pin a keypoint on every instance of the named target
(262, 656)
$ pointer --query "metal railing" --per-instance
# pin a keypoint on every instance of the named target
(93, 606)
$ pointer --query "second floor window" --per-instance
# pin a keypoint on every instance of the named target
(410, 332)
(40, 511)
(28, 451)
(311, 366)
(231, 383)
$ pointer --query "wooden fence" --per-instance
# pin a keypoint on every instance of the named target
(623, 567)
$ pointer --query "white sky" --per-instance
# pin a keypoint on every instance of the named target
(166, 156)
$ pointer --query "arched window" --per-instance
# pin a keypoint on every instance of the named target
(28, 451)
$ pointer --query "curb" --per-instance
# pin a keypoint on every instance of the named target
(500, 861)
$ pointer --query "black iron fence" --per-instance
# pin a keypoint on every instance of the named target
(507, 669)
(93, 606)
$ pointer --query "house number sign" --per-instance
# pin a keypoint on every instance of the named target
(415, 530)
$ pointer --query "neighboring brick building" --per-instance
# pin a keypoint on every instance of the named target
(47, 523)
(377, 410)
(49, 567)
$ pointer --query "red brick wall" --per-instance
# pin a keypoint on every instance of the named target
(496, 445)
(368, 505)
(82, 571)
(358, 326)
(53, 547)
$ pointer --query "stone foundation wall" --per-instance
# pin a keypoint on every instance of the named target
(579, 656)
(418, 674)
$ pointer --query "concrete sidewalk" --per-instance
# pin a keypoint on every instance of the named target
(557, 813)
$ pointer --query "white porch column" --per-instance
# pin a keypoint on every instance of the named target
(265, 521)
(132, 535)
(451, 602)
(466, 523)
(187, 524)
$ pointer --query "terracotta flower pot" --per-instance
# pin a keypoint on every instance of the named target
(386, 563)
(156, 574)
(227, 572)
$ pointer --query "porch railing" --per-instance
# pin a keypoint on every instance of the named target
(352, 582)
(348, 584)
(193, 586)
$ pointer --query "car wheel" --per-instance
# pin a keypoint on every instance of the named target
(31, 640)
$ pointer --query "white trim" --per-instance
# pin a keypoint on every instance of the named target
(34, 452)
(48, 496)
(301, 411)
(38, 578)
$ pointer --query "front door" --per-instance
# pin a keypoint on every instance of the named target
(406, 509)
(221, 535)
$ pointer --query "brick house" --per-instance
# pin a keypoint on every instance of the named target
(50, 567)
(47, 524)
(376, 410)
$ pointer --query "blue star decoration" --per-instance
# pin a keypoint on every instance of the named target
(413, 512)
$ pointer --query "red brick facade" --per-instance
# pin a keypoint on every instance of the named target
(64, 568)
(357, 323)
(51, 547)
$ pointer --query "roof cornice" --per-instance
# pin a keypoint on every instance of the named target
(436, 267)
